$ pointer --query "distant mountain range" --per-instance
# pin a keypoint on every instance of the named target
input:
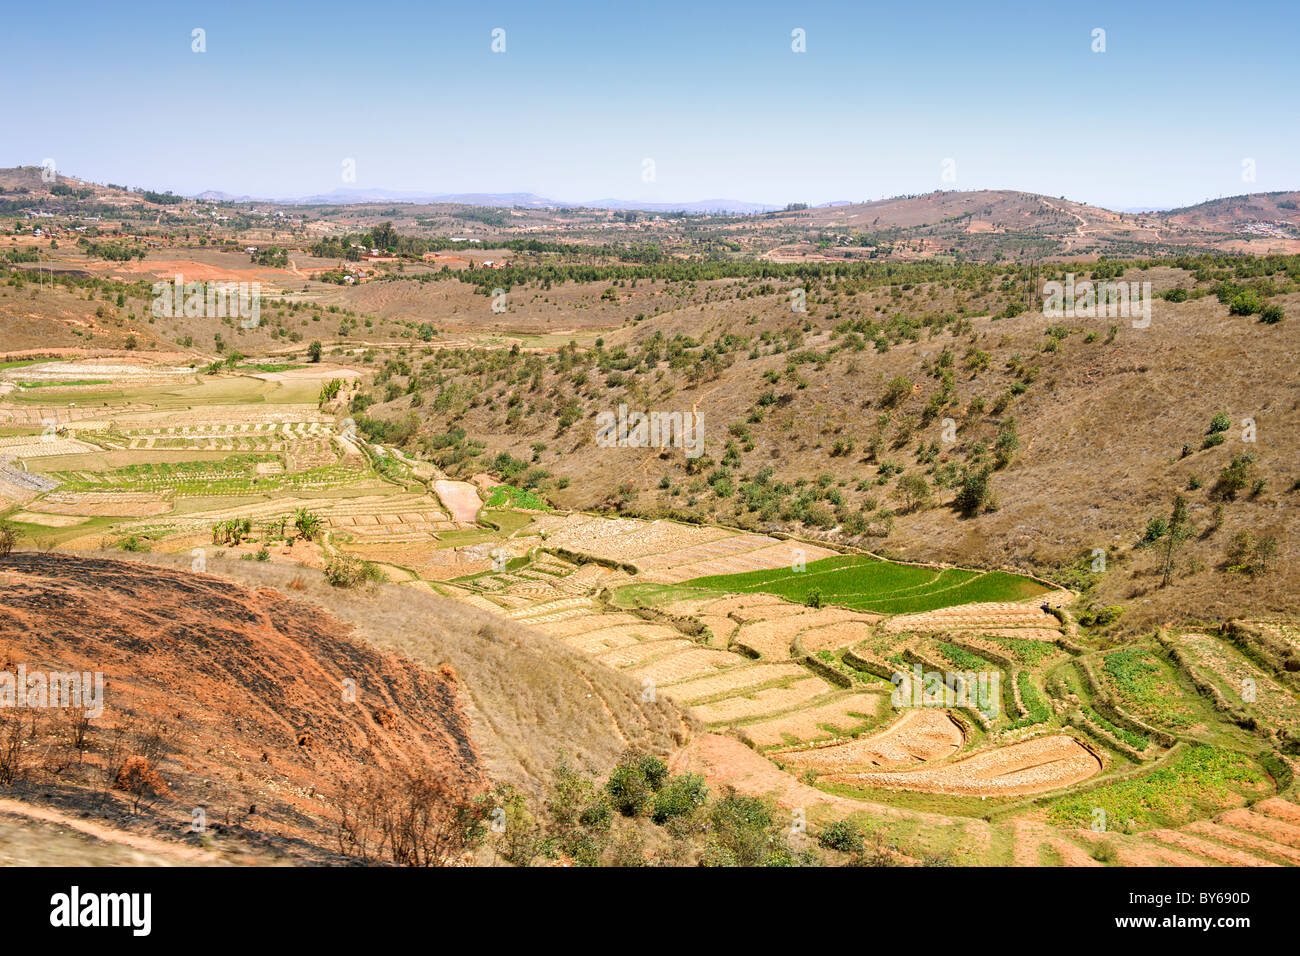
(348, 197)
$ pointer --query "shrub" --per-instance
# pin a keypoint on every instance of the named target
(842, 835)
(632, 784)
(974, 495)
(913, 491)
(349, 571)
(1236, 475)
(8, 538)
(1246, 302)
(1101, 616)
(680, 797)
(897, 390)
(307, 524)
(134, 543)
(1272, 314)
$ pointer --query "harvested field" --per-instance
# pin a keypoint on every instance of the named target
(460, 499)
(606, 638)
(1032, 766)
(634, 654)
(834, 718)
(36, 446)
(1245, 840)
(684, 664)
(919, 735)
(1263, 826)
(772, 639)
(49, 521)
(731, 680)
(772, 700)
(830, 637)
(666, 551)
(1001, 617)
(584, 623)
(740, 604)
(1237, 678)
(1204, 848)
(123, 504)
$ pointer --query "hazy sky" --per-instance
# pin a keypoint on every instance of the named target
(713, 94)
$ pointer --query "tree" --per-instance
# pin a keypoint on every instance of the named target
(913, 491)
(1236, 475)
(1007, 443)
(1177, 530)
(8, 538)
(306, 523)
(898, 389)
(314, 350)
(974, 494)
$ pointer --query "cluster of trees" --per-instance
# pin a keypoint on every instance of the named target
(272, 256)
(113, 251)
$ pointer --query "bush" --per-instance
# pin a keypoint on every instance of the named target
(897, 390)
(1236, 475)
(1219, 423)
(134, 543)
(349, 571)
(842, 835)
(974, 495)
(1246, 302)
(8, 538)
(1272, 314)
(1101, 616)
(680, 797)
(633, 783)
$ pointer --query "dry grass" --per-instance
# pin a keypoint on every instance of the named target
(528, 697)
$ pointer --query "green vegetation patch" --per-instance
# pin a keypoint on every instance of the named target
(1147, 688)
(508, 496)
(1197, 783)
(870, 584)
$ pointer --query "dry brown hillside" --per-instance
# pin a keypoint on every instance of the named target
(811, 419)
(242, 703)
(260, 710)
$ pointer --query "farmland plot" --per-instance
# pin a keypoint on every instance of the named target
(865, 583)
(1020, 769)
(919, 735)
(1241, 681)
(844, 716)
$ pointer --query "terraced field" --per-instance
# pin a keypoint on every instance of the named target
(869, 584)
(1034, 766)
(786, 649)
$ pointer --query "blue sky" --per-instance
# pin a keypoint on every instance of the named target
(712, 93)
